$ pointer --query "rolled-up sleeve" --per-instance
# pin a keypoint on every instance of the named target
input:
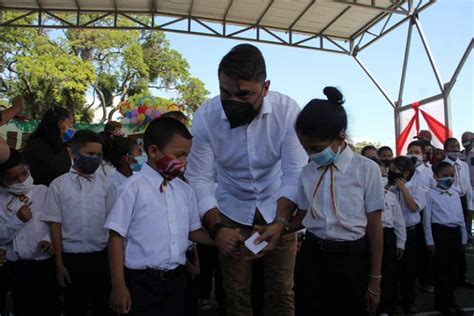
(293, 159)
(200, 167)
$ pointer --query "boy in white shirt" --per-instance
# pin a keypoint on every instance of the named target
(154, 215)
(76, 210)
(445, 234)
(27, 240)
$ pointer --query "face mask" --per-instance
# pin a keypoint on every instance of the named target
(384, 181)
(453, 155)
(416, 159)
(386, 162)
(68, 134)
(325, 157)
(85, 164)
(393, 176)
(445, 183)
(428, 156)
(137, 166)
(170, 168)
(21, 188)
(240, 113)
(467, 144)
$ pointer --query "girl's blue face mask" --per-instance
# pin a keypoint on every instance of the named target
(445, 183)
(325, 157)
(68, 134)
(137, 166)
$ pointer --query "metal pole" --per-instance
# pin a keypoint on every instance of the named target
(374, 81)
(405, 63)
(429, 54)
(447, 111)
(396, 116)
(463, 60)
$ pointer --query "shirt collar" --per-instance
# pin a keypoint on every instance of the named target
(344, 159)
(120, 177)
(153, 176)
(74, 174)
(452, 163)
(448, 191)
(266, 108)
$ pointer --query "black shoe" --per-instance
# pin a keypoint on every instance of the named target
(467, 284)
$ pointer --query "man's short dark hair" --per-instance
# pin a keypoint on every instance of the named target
(112, 126)
(437, 167)
(84, 136)
(244, 62)
(449, 141)
(417, 143)
(161, 130)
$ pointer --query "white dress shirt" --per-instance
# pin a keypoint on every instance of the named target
(443, 207)
(468, 157)
(154, 224)
(21, 239)
(256, 164)
(462, 180)
(358, 191)
(392, 217)
(79, 205)
(423, 177)
(418, 194)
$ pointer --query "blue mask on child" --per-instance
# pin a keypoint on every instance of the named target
(137, 166)
(445, 183)
(68, 134)
(325, 157)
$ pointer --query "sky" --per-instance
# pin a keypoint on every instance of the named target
(302, 74)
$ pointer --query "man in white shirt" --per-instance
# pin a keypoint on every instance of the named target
(467, 155)
(247, 133)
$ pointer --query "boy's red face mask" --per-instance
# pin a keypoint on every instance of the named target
(170, 168)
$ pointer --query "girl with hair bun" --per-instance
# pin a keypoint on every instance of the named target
(340, 202)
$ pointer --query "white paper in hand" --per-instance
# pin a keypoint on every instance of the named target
(249, 243)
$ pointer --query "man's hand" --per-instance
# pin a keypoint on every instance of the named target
(270, 233)
(399, 253)
(62, 276)
(24, 213)
(46, 246)
(229, 241)
(120, 300)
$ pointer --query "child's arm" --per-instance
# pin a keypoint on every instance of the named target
(409, 201)
(15, 223)
(427, 225)
(62, 275)
(400, 229)
(202, 237)
(296, 222)
(120, 299)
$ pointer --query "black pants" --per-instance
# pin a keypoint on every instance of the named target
(210, 268)
(424, 261)
(408, 270)
(462, 265)
(154, 295)
(90, 284)
(335, 281)
(4, 287)
(389, 283)
(448, 246)
(34, 287)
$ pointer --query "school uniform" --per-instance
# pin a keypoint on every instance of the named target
(468, 157)
(31, 271)
(408, 261)
(155, 226)
(79, 204)
(444, 228)
(462, 185)
(394, 236)
(335, 254)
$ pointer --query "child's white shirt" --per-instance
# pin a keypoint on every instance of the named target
(419, 195)
(392, 217)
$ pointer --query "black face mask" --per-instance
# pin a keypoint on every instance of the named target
(240, 113)
(393, 176)
(386, 162)
(87, 165)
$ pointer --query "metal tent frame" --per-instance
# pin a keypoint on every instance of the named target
(380, 17)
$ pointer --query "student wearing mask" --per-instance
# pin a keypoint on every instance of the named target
(340, 204)
(467, 155)
(385, 154)
(462, 185)
(412, 200)
(245, 137)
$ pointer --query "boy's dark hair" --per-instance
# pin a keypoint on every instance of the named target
(448, 141)
(404, 164)
(116, 148)
(384, 148)
(15, 159)
(161, 130)
(244, 62)
(440, 166)
(323, 119)
(48, 128)
(82, 137)
(367, 148)
(418, 143)
(378, 161)
(112, 126)
(426, 142)
(178, 115)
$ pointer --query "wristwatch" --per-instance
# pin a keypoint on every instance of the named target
(214, 229)
(284, 222)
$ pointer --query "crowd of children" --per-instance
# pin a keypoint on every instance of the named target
(112, 235)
